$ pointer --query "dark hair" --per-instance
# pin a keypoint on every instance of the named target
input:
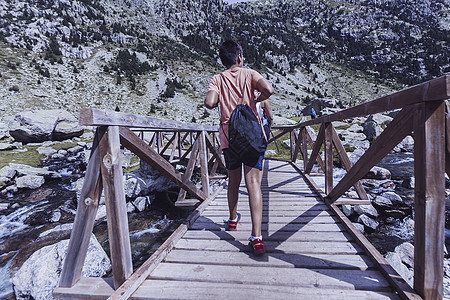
(229, 51)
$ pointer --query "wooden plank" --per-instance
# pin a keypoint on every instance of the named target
(324, 278)
(433, 90)
(86, 288)
(337, 248)
(391, 136)
(271, 228)
(328, 143)
(304, 146)
(138, 277)
(97, 117)
(116, 207)
(150, 156)
(225, 291)
(215, 152)
(429, 199)
(277, 259)
(168, 144)
(316, 148)
(323, 219)
(347, 163)
(84, 218)
(305, 236)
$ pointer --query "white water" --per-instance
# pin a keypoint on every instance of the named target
(6, 287)
(13, 222)
(153, 229)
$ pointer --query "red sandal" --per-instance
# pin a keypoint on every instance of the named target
(258, 246)
(232, 225)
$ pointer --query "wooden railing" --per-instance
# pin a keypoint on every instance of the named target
(423, 113)
(171, 140)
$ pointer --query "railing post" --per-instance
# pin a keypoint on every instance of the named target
(328, 158)
(203, 153)
(116, 208)
(429, 163)
(304, 147)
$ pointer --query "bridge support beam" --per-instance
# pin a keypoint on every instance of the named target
(429, 155)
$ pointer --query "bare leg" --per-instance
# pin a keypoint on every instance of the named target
(253, 183)
(234, 181)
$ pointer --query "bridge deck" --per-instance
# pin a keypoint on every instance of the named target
(309, 253)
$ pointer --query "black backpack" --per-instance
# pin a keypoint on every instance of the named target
(245, 132)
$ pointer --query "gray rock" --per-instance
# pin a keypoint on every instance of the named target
(356, 155)
(366, 209)
(4, 132)
(311, 132)
(7, 146)
(270, 153)
(382, 201)
(347, 210)
(29, 170)
(30, 182)
(37, 280)
(395, 199)
(130, 207)
(141, 203)
(409, 183)
(407, 145)
(355, 128)
(368, 222)
(359, 226)
(396, 262)
(406, 253)
(47, 151)
(44, 125)
(371, 128)
(286, 144)
(7, 172)
(378, 173)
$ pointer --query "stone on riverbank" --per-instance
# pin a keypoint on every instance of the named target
(44, 125)
(30, 182)
(37, 280)
(368, 222)
(395, 261)
(378, 173)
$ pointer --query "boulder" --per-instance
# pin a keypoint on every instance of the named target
(378, 173)
(367, 210)
(359, 226)
(368, 222)
(382, 202)
(7, 146)
(409, 183)
(347, 210)
(7, 172)
(406, 253)
(23, 170)
(30, 182)
(371, 128)
(355, 128)
(4, 132)
(37, 280)
(406, 145)
(395, 199)
(396, 262)
(44, 125)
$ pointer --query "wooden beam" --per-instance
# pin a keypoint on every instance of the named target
(304, 146)
(189, 170)
(204, 162)
(168, 144)
(447, 139)
(298, 145)
(429, 199)
(84, 218)
(97, 117)
(316, 148)
(328, 157)
(116, 206)
(436, 89)
(400, 127)
(347, 163)
(310, 141)
(279, 135)
(131, 285)
(215, 152)
(150, 156)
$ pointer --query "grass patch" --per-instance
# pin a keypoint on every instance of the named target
(64, 145)
(29, 157)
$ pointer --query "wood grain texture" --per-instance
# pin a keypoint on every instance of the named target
(429, 199)
(116, 206)
(84, 218)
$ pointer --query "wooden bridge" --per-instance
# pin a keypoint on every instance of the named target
(313, 250)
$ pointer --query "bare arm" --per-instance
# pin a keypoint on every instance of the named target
(211, 99)
(266, 106)
(265, 88)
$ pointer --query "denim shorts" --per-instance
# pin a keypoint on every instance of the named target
(232, 161)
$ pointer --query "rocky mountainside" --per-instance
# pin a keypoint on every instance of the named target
(156, 57)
